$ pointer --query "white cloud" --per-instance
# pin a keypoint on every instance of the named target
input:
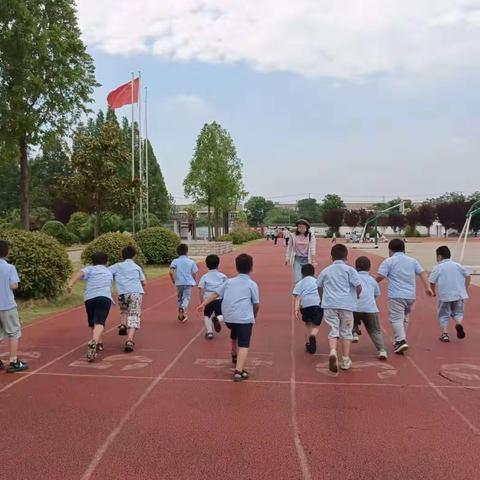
(346, 39)
(188, 102)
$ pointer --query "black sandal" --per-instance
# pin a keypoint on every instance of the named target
(129, 346)
(240, 376)
(122, 330)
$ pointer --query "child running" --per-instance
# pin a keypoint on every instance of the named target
(129, 282)
(307, 305)
(183, 273)
(367, 309)
(240, 306)
(98, 299)
(210, 283)
(340, 287)
(401, 271)
(10, 326)
(453, 281)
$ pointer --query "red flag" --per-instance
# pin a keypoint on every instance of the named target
(124, 95)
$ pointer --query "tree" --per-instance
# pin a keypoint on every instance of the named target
(257, 209)
(46, 76)
(426, 215)
(215, 176)
(397, 221)
(334, 218)
(363, 216)
(309, 209)
(279, 216)
(451, 210)
(412, 218)
(9, 179)
(95, 184)
(330, 202)
(352, 218)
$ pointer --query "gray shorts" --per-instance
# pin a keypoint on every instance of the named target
(340, 322)
(10, 324)
(449, 310)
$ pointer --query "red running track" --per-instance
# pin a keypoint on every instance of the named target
(171, 411)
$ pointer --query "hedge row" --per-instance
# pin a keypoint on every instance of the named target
(239, 236)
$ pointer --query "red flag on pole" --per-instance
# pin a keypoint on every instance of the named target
(126, 94)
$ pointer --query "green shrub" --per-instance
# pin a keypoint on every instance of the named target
(81, 224)
(240, 235)
(42, 263)
(39, 217)
(111, 222)
(158, 244)
(112, 244)
(412, 232)
(57, 230)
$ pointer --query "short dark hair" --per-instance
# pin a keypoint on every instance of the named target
(396, 245)
(3, 248)
(244, 263)
(128, 252)
(182, 249)
(339, 252)
(212, 262)
(308, 270)
(362, 264)
(99, 258)
(444, 252)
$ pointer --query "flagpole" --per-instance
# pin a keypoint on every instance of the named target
(133, 152)
(140, 142)
(146, 161)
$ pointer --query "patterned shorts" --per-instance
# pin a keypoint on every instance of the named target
(131, 309)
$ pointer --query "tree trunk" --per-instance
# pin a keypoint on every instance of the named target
(98, 223)
(226, 223)
(209, 222)
(217, 226)
(24, 184)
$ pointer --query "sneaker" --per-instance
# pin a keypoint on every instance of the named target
(209, 336)
(17, 366)
(181, 316)
(240, 376)
(346, 363)
(460, 331)
(216, 324)
(129, 346)
(355, 338)
(400, 347)
(91, 350)
(312, 344)
(382, 355)
(122, 330)
(444, 337)
(333, 362)
(2, 366)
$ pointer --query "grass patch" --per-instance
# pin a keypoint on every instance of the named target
(31, 310)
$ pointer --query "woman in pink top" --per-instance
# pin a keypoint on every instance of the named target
(301, 248)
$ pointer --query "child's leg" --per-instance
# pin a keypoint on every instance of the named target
(186, 298)
(134, 314)
(409, 306)
(397, 314)
(208, 324)
(457, 313)
(97, 333)
(244, 333)
(444, 314)
(13, 347)
(180, 296)
(372, 324)
(242, 354)
(346, 326)
(333, 321)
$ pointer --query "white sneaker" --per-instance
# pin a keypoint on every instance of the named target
(333, 362)
(346, 363)
(382, 355)
(355, 338)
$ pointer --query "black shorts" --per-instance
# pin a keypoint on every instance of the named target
(313, 314)
(242, 332)
(214, 307)
(97, 310)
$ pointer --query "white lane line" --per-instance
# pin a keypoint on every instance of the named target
(97, 458)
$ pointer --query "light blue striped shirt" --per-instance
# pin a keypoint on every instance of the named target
(450, 278)
(8, 276)
(185, 269)
(99, 281)
(307, 290)
(128, 277)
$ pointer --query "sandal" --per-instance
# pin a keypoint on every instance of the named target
(122, 330)
(91, 350)
(444, 338)
(216, 324)
(234, 358)
(100, 347)
(129, 346)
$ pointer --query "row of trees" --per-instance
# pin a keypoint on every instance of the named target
(449, 209)
(46, 83)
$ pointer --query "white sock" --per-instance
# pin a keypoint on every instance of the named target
(333, 352)
(220, 318)
(208, 324)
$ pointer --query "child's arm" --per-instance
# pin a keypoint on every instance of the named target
(468, 279)
(207, 301)
(379, 278)
(171, 273)
(433, 288)
(256, 309)
(200, 294)
(77, 276)
(424, 278)
(320, 292)
(358, 289)
(297, 307)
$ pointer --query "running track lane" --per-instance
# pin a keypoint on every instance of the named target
(173, 411)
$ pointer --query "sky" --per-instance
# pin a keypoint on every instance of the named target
(363, 98)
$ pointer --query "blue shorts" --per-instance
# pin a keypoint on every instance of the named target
(242, 332)
(449, 310)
